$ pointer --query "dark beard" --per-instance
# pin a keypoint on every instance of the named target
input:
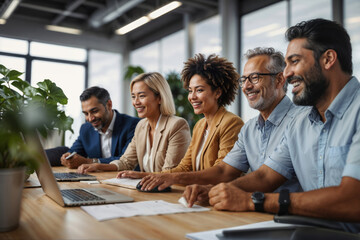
(315, 87)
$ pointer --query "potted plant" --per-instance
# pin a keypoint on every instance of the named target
(24, 111)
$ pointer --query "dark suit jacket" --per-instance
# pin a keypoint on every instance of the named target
(88, 143)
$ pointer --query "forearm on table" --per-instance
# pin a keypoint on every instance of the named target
(108, 167)
(264, 179)
(213, 175)
(335, 203)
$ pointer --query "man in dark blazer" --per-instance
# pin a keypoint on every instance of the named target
(106, 133)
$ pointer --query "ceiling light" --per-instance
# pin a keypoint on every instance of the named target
(131, 26)
(10, 9)
(2, 21)
(145, 19)
(263, 29)
(276, 32)
(165, 9)
(63, 29)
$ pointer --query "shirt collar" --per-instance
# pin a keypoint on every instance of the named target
(279, 112)
(341, 102)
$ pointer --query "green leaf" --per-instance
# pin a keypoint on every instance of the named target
(3, 70)
(53, 91)
(20, 84)
(30, 91)
(14, 75)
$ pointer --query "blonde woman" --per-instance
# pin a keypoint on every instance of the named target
(161, 139)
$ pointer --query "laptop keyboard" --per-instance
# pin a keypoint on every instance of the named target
(70, 175)
(79, 195)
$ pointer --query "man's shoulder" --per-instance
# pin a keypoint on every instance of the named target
(296, 110)
(124, 117)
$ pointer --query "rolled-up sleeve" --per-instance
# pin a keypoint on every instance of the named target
(280, 160)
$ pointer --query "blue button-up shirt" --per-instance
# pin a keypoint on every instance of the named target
(321, 153)
(258, 138)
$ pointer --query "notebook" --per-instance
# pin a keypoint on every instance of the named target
(72, 197)
(73, 177)
(122, 182)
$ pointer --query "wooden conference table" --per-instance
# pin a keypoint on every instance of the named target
(42, 218)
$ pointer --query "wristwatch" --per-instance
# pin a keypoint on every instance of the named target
(284, 202)
(258, 200)
(95, 160)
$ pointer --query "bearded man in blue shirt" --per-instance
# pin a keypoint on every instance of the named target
(321, 145)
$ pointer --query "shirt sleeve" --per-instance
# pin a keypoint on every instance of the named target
(280, 160)
(237, 157)
(352, 167)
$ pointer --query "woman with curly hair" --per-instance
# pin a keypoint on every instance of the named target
(212, 83)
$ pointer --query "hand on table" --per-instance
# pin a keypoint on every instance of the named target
(196, 193)
(162, 180)
(226, 196)
(85, 168)
(131, 174)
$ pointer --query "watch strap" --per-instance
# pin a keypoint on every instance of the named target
(258, 200)
(284, 202)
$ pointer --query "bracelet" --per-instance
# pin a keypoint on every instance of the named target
(284, 202)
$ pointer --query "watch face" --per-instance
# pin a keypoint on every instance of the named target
(258, 196)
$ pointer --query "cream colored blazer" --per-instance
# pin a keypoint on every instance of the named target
(172, 138)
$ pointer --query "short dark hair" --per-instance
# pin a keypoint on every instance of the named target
(218, 72)
(321, 35)
(101, 94)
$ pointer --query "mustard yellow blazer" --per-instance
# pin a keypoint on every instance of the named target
(222, 137)
(172, 138)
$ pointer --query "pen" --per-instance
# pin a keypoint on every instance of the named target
(70, 156)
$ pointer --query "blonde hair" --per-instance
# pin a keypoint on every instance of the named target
(160, 87)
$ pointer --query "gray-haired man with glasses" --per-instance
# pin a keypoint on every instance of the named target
(265, 88)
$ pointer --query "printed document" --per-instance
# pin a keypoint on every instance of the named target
(145, 208)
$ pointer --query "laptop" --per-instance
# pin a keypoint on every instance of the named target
(73, 177)
(72, 197)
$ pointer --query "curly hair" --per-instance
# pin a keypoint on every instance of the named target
(218, 72)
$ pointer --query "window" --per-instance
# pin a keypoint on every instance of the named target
(208, 36)
(173, 52)
(352, 25)
(13, 46)
(104, 71)
(302, 10)
(71, 79)
(147, 57)
(16, 63)
(58, 52)
(263, 28)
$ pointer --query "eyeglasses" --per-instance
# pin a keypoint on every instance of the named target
(254, 78)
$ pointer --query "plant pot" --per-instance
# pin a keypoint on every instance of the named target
(11, 187)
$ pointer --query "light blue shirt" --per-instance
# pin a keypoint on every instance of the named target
(258, 138)
(320, 154)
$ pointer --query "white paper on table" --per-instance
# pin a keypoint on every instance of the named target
(211, 235)
(122, 182)
(145, 208)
